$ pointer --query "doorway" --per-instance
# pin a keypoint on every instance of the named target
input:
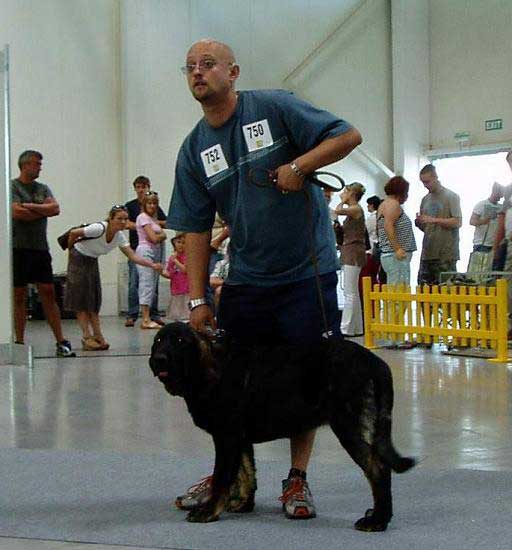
(471, 177)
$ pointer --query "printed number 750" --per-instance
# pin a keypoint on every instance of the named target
(256, 130)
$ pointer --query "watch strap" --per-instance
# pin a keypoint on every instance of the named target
(196, 302)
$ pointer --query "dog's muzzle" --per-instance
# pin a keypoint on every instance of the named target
(158, 362)
(159, 366)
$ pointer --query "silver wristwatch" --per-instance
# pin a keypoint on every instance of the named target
(196, 302)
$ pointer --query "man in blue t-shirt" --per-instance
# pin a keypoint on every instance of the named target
(270, 294)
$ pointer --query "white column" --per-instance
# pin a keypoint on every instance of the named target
(9, 353)
(410, 30)
(5, 202)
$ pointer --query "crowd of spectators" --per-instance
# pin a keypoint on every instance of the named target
(32, 204)
(380, 246)
(391, 242)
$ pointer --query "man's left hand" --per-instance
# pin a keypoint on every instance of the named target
(288, 180)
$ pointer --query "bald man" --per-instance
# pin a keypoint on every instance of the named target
(270, 295)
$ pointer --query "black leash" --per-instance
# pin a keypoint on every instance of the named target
(314, 261)
(267, 179)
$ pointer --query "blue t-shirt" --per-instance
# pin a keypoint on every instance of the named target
(270, 231)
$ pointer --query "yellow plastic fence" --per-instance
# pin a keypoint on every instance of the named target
(459, 316)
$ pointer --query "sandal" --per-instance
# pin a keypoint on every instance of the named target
(103, 345)
(129, 323)
(150, 325)
(90, 344)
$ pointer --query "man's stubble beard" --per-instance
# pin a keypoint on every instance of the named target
(202, 97)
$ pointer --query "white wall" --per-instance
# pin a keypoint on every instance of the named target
(96, 83)
(411, 85)
(157, 109)
(471, 48)
(269, 39)
(96, 87)
(65, 102)
(351, 76)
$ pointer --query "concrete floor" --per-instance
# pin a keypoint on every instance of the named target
(451, 412)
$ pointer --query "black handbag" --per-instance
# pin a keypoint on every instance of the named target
(338, 231)
(64, 238)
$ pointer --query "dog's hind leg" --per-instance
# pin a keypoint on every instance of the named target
(378, 474)
(228, 459)
(241, 494)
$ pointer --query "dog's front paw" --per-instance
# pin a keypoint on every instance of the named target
(203, 514)
(240, 506)
(372, 522)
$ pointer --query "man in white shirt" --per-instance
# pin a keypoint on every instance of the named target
(485, 220)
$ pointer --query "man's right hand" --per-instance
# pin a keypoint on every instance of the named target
(400, 253)
(201, 318)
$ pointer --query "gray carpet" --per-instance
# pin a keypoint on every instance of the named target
(114, 498)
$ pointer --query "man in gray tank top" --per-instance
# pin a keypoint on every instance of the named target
(32, 204)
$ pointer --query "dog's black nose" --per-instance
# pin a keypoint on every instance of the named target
(158, 357)
(158, 363)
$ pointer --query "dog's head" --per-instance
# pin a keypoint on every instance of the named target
(182, 357)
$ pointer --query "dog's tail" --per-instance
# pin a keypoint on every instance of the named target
(383, 382)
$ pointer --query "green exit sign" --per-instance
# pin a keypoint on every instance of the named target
(495, 124)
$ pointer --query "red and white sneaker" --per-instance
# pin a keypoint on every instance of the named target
(196, 495)
(297, 499)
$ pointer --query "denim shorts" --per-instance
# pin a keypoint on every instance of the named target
(284, 314)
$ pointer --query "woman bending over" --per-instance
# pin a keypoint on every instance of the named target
(83, 285)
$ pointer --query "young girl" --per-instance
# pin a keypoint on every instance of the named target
(176, 271)
(151, 236)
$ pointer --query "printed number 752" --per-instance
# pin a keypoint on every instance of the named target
(212, 156)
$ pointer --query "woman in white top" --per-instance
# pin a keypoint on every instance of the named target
(83, 284)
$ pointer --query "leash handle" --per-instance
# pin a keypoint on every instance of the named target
(262, 177)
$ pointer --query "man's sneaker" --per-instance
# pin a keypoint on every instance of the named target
(64, 349)
(196, 495)
(297, 499)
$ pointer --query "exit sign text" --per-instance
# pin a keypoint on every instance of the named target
(495, 124)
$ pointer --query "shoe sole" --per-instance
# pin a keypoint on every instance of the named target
(305, 515)
(187, 507)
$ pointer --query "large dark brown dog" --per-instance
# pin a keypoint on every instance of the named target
(244, 395)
